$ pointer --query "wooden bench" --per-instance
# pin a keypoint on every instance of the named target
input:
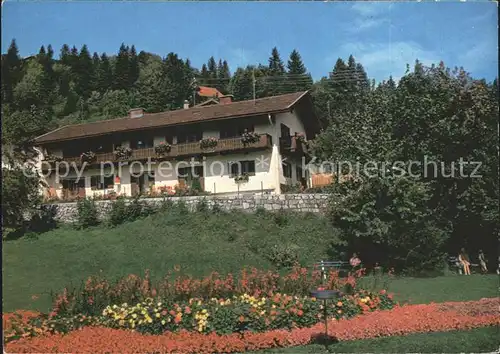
(325, 266)
(455, 265)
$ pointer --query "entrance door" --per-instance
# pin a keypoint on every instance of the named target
(137, 184)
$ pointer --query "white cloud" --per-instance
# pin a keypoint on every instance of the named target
(371, 8)
(370, 15)
(381, 60)
(480, 55)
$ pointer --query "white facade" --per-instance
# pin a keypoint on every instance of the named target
(265, 165)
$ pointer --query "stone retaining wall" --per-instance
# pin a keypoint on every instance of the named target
(316, 203)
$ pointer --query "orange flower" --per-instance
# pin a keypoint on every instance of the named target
(339, 304)
(241, 319)
(178, 318)
(300, 313)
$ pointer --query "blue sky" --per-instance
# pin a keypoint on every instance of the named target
(383, 36)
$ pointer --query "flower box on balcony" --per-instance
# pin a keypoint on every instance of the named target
(122, 152)
(208, 143)
(162, 148)
(88, 157)
(243, 178)
(250, 138)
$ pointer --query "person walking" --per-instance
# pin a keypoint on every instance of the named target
(463, 258)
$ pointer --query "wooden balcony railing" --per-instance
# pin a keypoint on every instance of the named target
(185, 149)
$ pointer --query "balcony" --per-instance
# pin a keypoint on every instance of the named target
(181, 150)
(291, 146)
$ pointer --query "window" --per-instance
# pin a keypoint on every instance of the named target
(188, 136)
(100, 183)
(247, 167)
(285, 131)
(287, 170)
(141, 143)
(188, 173)
(233, 131)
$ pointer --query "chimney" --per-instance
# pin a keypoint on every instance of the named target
(226, 99)
(136, 112)
(186, 104)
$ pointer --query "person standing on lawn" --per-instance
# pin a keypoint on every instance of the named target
(463, 258)
(482, 261)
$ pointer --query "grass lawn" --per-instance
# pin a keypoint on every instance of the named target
(438, 289)
(472, 341)
(199, 243)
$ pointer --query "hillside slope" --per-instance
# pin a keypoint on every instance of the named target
(198, 242)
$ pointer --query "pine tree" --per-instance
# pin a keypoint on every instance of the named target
(65, 54)
(204, 78)
(297, 77)
(11, 72)
(134, 67)
(223, 76)
(50, 52)
(276, 83)
(212, 71)
(178, 81)
(73, 61)
(276, 66)
(122, 68)
(84, 73)
(105, 75)
(96, 70)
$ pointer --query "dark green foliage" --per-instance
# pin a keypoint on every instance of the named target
(123, 211)
(297, 77)
(435, 115)
(122, 69)
(202, 206)
(87, 213)
(20, 196)
(283, 256)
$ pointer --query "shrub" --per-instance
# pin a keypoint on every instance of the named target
(86, 213)
(44, 219)
(118, 213)
(280, 218)
(202, 206)
(283, 256)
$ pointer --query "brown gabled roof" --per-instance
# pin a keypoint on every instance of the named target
(265, 105)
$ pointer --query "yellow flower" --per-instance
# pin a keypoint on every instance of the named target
(158, 315)
(204, 311)
(134, 315)
(121, 322)
(163, 322)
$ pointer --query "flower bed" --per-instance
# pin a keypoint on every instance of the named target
(398, 321)
(222, 316)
